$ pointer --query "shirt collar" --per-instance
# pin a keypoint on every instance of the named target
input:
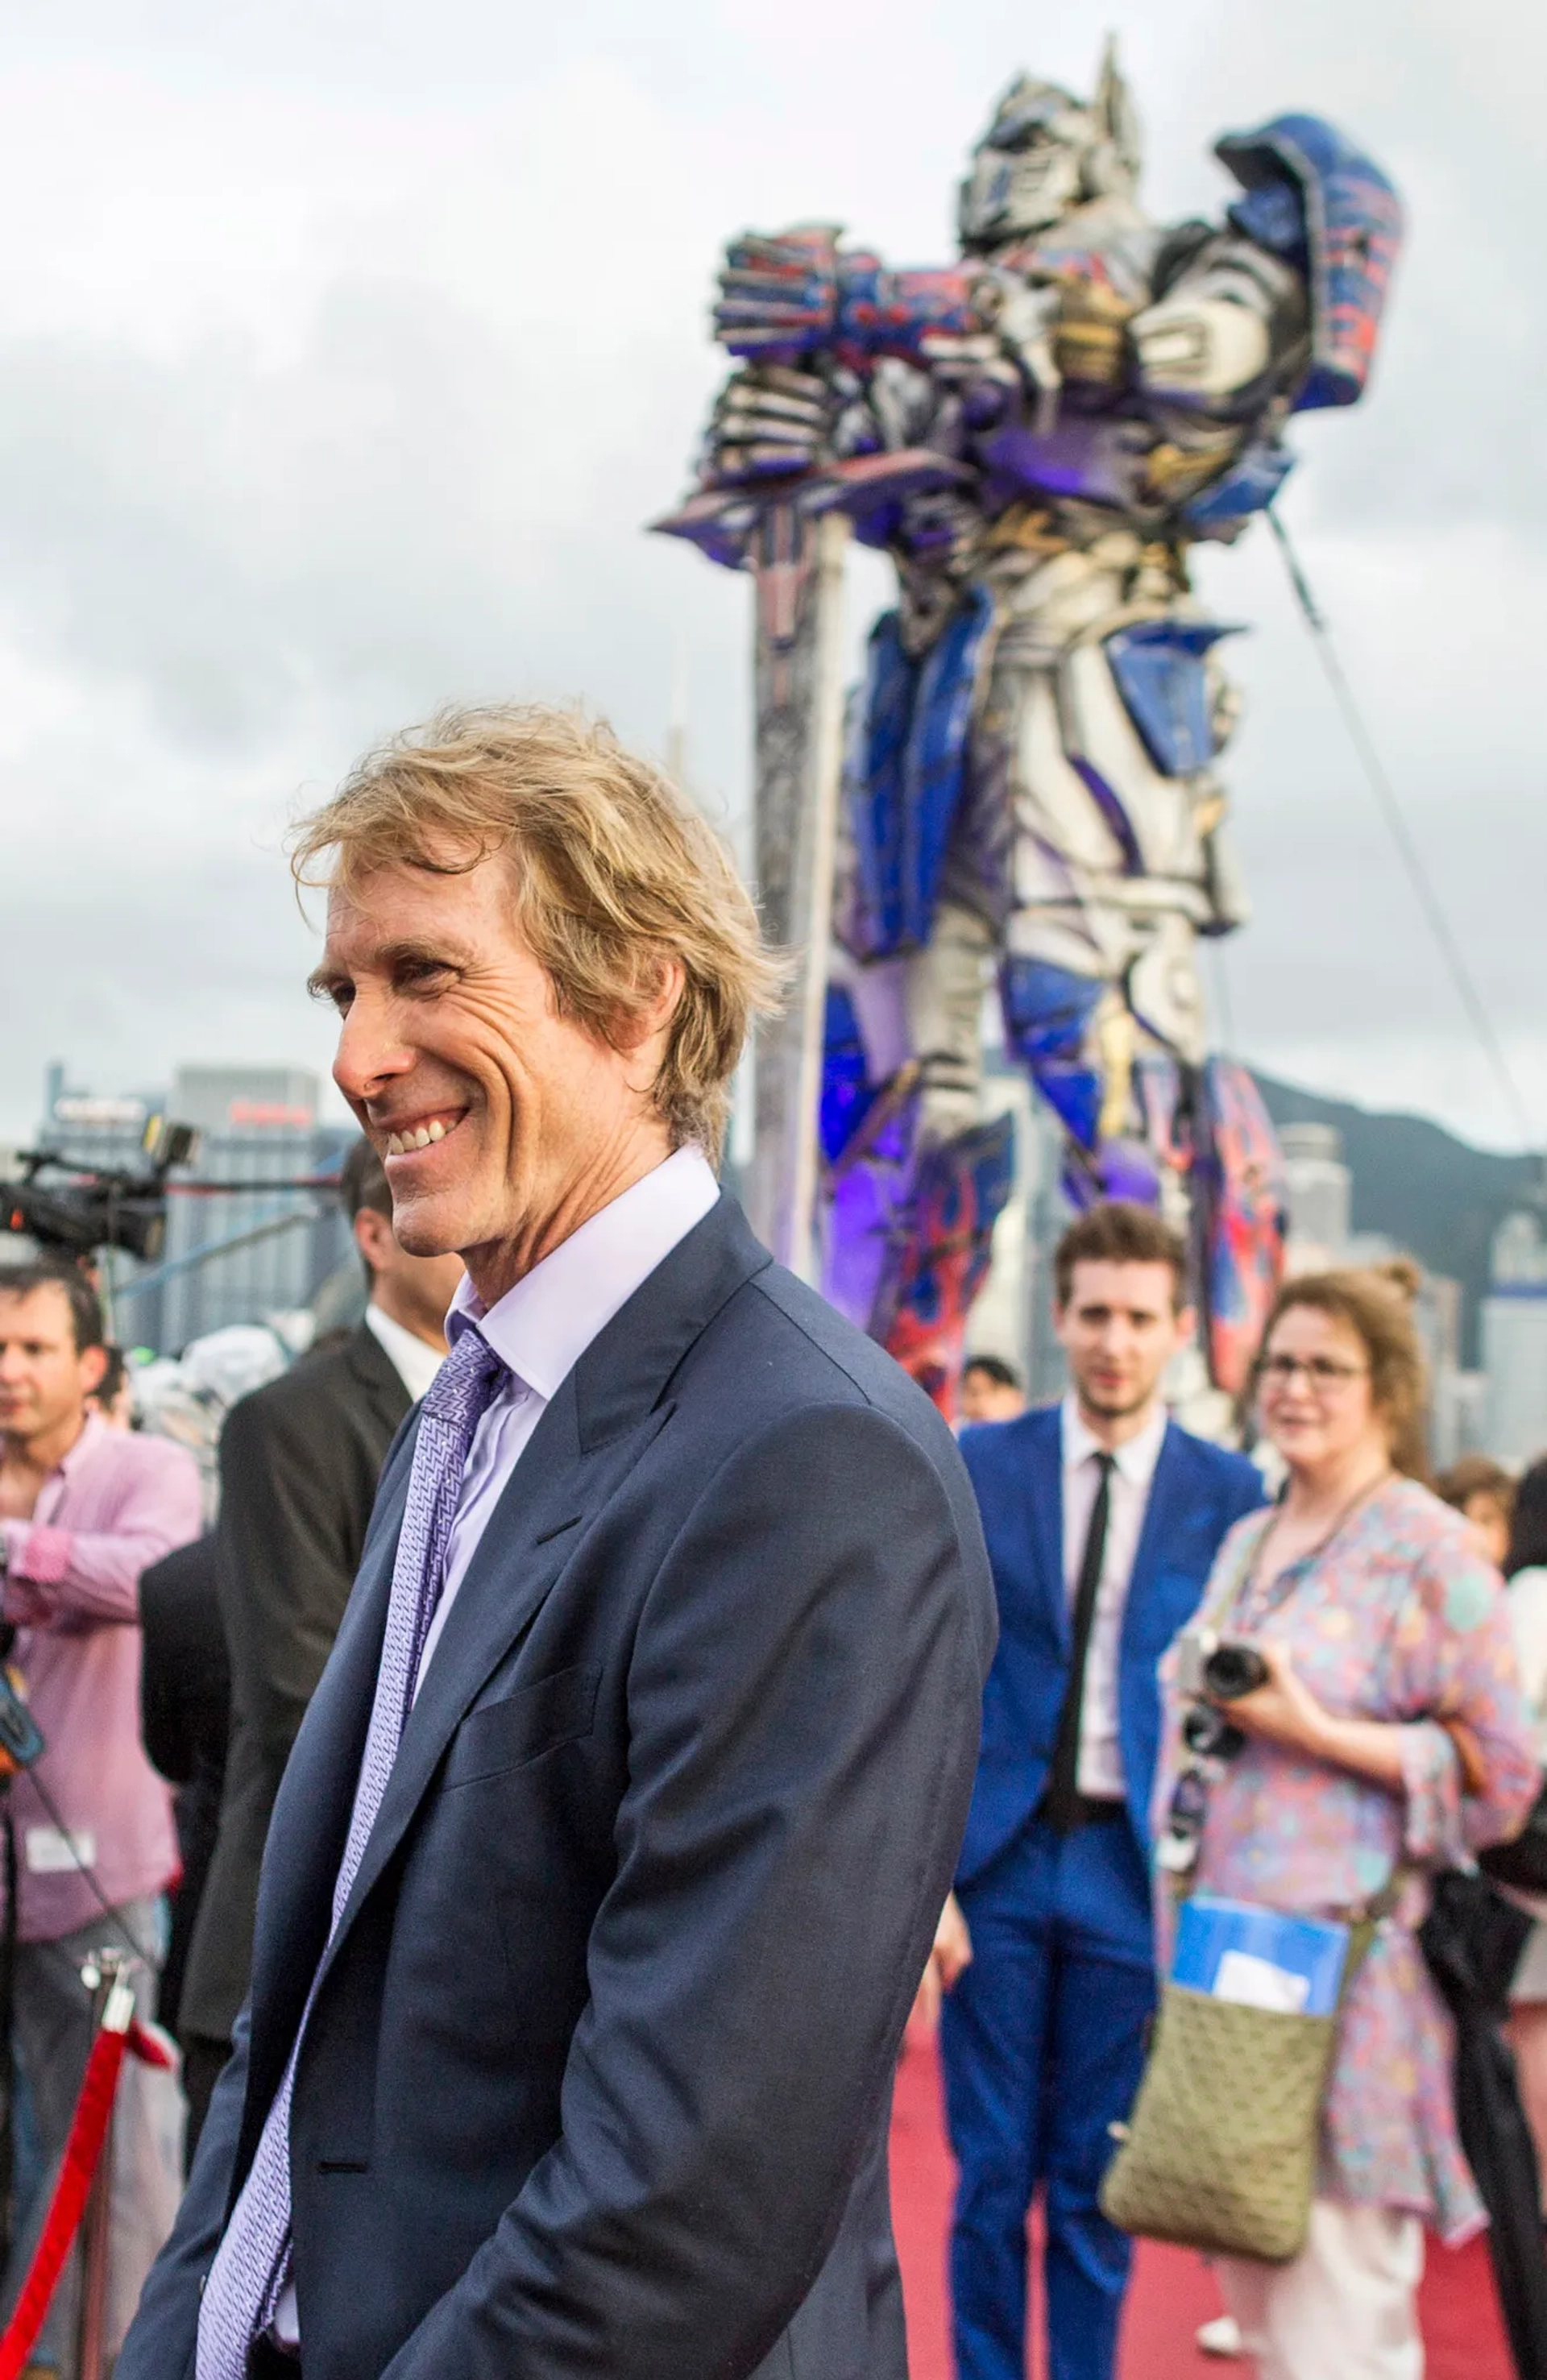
(94, 1426)
(542, 1327)
(1134, 1460)
(413, 1359)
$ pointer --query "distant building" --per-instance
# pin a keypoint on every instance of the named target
(258, 1124)
(1514, 1342)
(1320, 1197)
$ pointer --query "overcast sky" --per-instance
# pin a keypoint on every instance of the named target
(346, 346)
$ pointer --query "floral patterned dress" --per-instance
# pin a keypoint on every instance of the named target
(1396, 1619)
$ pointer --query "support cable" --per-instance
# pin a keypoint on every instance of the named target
(1408, 851)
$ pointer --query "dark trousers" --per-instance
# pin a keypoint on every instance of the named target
(1042, 2042)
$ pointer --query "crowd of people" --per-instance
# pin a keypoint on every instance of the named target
(687, 1951)
(1396, 1731)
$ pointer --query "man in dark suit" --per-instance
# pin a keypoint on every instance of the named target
(611, 1848)
(1103, 1519)
(299, 1460)
(185, 1723)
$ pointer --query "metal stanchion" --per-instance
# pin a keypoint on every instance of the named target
(104, 1975)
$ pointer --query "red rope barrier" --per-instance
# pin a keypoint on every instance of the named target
(93, 2109)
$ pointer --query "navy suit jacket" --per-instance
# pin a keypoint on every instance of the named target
(598, 2072)
(1016, 1470)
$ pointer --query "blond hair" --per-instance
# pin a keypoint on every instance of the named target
(612, 876)
(1376, 1307)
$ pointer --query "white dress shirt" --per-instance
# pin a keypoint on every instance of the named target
(413, 1359)
(1098, 1771)
(542, 1327)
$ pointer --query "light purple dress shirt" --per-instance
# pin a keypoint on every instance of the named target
(542, 1327)
(115, 1505)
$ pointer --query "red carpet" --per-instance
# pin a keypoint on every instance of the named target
(1172, 2290)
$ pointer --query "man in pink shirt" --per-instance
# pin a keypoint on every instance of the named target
(84, 1508)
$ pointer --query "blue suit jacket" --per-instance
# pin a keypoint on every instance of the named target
(597, 2073)
(1016, 1469)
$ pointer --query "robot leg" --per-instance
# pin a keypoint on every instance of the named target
(1241, 1200)
(1078, 1038)
(915, 1184)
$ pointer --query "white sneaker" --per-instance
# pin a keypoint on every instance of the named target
(1222, 2337)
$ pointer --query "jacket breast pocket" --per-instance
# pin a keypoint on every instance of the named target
(536, 1718)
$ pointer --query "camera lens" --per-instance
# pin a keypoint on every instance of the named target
(1232, 1671)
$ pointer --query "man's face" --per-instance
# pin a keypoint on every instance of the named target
(44, 1379)
(501, 1124)
(1119, 1331)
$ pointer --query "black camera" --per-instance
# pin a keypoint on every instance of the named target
(1233, 1671)
(1208, 1735)
(1214, 1666)
(74, 1209)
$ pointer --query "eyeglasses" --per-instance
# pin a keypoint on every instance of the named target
(1321, 1372)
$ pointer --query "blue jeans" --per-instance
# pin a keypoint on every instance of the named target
(1042, 2042)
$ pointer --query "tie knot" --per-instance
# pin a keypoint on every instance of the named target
(465, 1381)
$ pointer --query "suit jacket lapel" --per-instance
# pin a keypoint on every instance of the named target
(296, 1898)
(596, 1428)
(1047, 1521)
(524, 1547)
(1157, 1518)
(378, 1378)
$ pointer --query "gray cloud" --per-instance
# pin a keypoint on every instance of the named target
(348, 355)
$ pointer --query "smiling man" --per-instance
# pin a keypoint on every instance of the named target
(1103, 1519)
(609, 1853)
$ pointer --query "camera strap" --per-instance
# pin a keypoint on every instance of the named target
(1284, 1582)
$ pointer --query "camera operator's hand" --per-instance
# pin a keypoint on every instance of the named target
(1286, 1713)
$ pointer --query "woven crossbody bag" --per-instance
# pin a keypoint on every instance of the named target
(1219, 2152)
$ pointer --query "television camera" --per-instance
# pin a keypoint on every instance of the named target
(72, 1209)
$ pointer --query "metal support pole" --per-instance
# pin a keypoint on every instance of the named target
(798, 682)
(103, 1974)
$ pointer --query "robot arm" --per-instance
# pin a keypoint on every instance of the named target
(798, 294)
(1229, 328)
(839, 351)
(838, 355)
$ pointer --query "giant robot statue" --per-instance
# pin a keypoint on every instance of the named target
(1039, 436)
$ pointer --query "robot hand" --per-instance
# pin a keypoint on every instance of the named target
(769, 422)
(1199, 348)
(779, 295)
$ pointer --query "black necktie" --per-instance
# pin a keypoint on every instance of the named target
(1061, 1802)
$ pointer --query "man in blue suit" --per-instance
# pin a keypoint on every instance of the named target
(1103, 1519)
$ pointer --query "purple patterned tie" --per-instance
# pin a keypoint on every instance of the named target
(248, 2275)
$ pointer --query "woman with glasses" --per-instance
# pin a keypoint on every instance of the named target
(1388, 1737)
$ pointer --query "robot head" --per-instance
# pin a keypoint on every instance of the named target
(1044, 154)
